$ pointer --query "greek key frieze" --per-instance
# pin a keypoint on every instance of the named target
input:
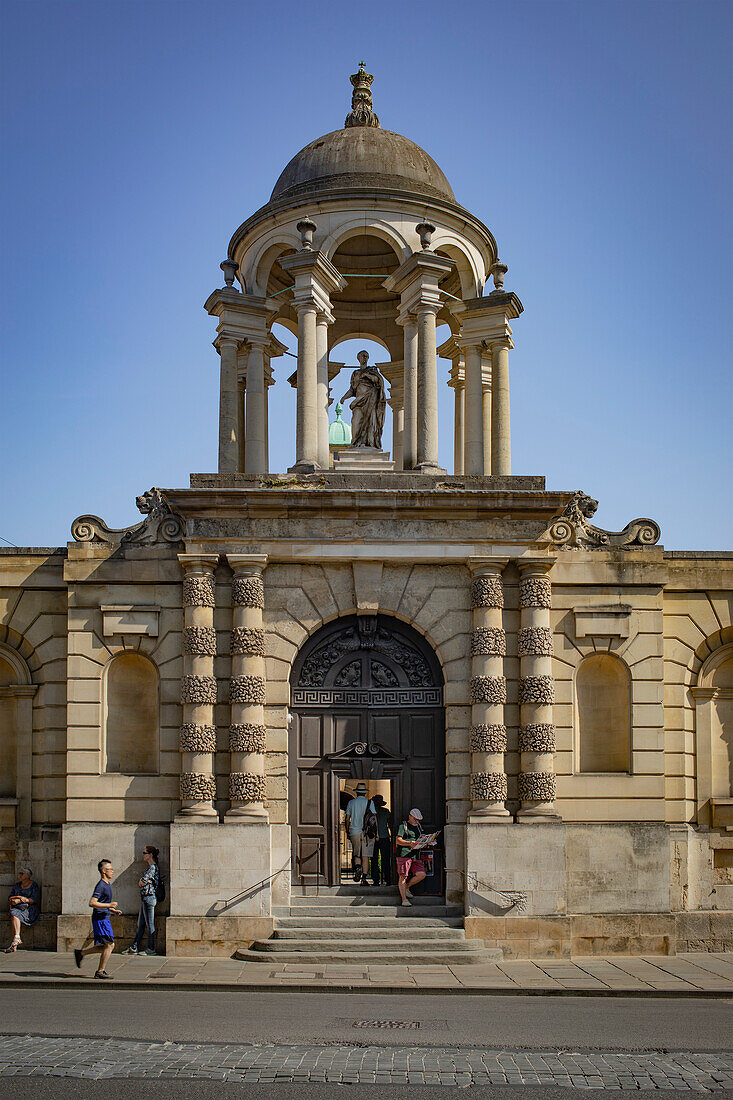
(374, 697)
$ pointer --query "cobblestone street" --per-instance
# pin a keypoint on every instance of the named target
(106, 1059)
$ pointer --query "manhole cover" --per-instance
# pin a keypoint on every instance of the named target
(403, 1024)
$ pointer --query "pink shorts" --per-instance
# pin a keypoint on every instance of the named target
(407, 865)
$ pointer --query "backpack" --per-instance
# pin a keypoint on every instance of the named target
(370, 828)
(159, 889)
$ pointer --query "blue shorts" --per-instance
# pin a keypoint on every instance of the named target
(102, 931)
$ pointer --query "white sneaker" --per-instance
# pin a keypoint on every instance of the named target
(407, 903)
(409, 893)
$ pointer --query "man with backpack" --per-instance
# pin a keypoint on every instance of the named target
(356, 811)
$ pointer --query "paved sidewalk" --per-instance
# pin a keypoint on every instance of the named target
(109, 1059)
(693, 974)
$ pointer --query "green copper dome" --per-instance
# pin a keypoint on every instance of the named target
(339, 433)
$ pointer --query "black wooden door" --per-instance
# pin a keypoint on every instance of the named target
(369, 681)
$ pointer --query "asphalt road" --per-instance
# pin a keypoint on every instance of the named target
(580, 1023)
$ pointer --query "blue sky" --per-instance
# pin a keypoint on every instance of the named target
(592, 138)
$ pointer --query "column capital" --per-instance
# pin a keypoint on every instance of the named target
(478, 566)
(316, 279)
(247, 563)
(205, 562)
(417, 278)
(225, 339)
(405, 318)
(540, 566)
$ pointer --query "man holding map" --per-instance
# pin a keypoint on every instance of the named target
(410, 840)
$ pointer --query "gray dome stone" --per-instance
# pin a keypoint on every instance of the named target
(361, 156)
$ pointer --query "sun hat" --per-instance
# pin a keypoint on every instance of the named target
(361, 787)
(416, 814)
(378, 798)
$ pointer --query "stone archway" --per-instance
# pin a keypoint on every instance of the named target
(366, 702)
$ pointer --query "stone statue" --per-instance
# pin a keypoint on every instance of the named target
(368, 404)
(572, 531)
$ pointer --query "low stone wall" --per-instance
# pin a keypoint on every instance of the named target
(72, 929)
(215, 936)
(38, 937)
(527, 937)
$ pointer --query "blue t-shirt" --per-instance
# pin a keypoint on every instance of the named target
(355, 812)
(102, 892)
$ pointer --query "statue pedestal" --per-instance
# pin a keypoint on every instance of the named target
(362, 460)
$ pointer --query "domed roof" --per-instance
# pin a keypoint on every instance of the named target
(339, 432)
(362, 155)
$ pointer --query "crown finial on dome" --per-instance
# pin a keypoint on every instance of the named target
(361, 113)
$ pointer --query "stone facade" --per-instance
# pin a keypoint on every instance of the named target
(586, 677)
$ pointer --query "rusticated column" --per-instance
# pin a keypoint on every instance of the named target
(198, 688)
(536, 694)
(488, 692)
(247, 690)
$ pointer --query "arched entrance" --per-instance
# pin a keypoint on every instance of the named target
(366, 703)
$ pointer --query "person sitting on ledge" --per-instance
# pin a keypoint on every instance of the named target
(25, 903)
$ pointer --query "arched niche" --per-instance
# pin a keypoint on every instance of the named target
(131, 715)
(713, 697)
(16, 732)
(603, 714)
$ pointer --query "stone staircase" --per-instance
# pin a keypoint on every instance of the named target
(355, 925)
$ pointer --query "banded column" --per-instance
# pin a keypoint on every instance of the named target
(229, 417)
(409, 438)
(501, 448)
(488, 692)
(536, 694)
(247, 690)
(197, 739)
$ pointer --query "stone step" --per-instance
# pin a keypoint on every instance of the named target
(414, 912)
(363, 946)
(346, 889)
(419, 957)
(356, 900)
(353, 922)
(388, 930)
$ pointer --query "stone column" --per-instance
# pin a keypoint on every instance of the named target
(322, 389)
(486, 397)
(488, 692)
(397, 405)
(409, 439)
(198, 688)
(269, 381)
(427, 389)
(247, 690)
(227, 347)
(459, 427)
(241, 398)
(501, 461)
(474, 452)
(255, 459)
(306, 435)
(536, 694)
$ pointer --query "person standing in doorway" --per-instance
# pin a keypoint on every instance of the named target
(355, 812)
(102, 906)
(382, 858)
(149, 883)
(409, 869)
